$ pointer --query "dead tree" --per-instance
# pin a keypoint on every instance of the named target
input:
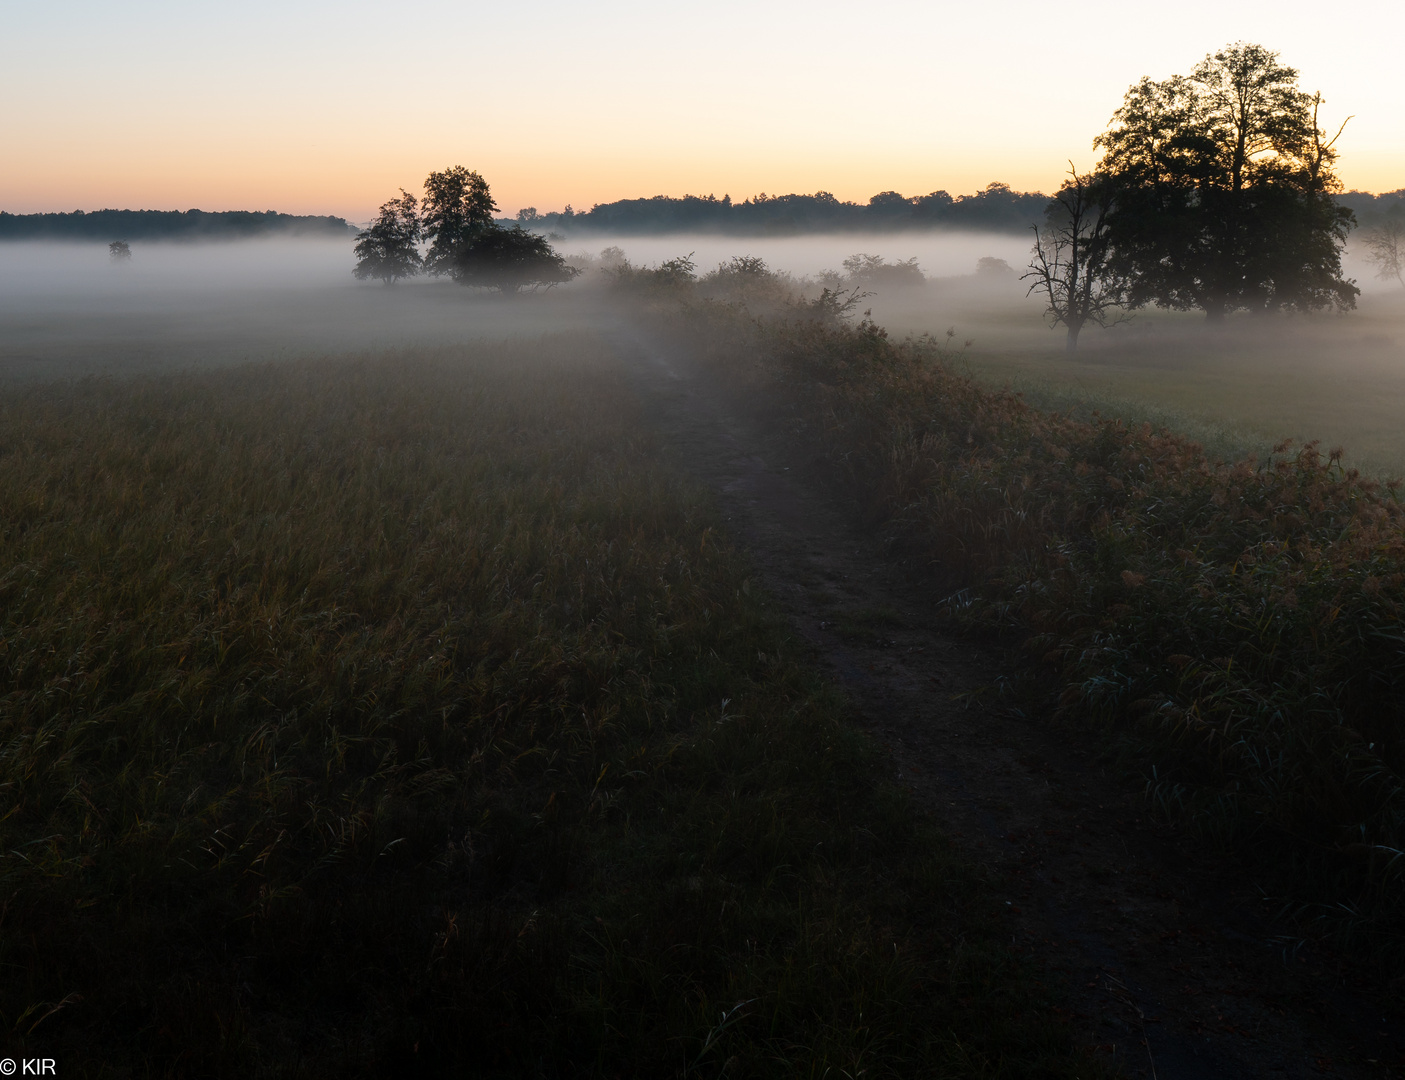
(1071, 263)
(1385, 248)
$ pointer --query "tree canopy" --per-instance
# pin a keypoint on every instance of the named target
(388, 249)
(1222, 187)
(457, 208)
(509, 259)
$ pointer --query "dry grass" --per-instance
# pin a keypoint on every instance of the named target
(400, 715)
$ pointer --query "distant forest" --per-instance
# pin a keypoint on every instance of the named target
(108, 225)
(1374, 210)
(996, 209)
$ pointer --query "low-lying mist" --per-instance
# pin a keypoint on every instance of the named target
(939, 254)
(68, 310)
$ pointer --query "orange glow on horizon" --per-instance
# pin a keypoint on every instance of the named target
(211, 110)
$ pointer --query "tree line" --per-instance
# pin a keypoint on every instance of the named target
(1216, 191)
(167, 225)
(996, 209)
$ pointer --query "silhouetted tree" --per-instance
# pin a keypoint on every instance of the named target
(388, 249)
(457, 208)
(119, 251)
(888, 207)
(1385, 248)
(1071, 262)
(509, 259)
(1223, 190)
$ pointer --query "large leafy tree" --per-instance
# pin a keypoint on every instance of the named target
(389, 248)
(1222, 190)
(457, 209)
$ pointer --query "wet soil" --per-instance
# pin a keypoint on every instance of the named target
(1170, 959)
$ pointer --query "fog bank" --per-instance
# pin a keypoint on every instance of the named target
(940, 254)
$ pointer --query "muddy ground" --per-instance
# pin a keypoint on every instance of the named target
(1170, 959)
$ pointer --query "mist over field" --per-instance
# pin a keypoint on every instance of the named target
(939, 254)
(67, 310)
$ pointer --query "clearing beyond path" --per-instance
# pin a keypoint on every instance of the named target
(1169, 957)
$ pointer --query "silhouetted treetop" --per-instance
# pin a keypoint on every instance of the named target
(388, 249)
(1220, 190)
(457, 208)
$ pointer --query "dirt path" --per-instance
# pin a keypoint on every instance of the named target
(1169, 959)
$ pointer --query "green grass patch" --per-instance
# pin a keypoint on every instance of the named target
(402, 715)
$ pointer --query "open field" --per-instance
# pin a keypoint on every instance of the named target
(1239, 388)
(401, 714)
(64, 311)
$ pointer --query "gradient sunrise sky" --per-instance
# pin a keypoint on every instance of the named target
(330, 108)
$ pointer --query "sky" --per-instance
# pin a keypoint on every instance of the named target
(331, 108)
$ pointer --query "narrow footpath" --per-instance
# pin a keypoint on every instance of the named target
(1170, 959)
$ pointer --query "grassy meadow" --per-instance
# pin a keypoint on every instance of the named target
(399, 714)
(1238, 389)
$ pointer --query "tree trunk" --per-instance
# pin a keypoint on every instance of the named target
(1071, 343)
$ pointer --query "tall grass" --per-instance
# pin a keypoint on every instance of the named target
(1238, 626)
(401, 715)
